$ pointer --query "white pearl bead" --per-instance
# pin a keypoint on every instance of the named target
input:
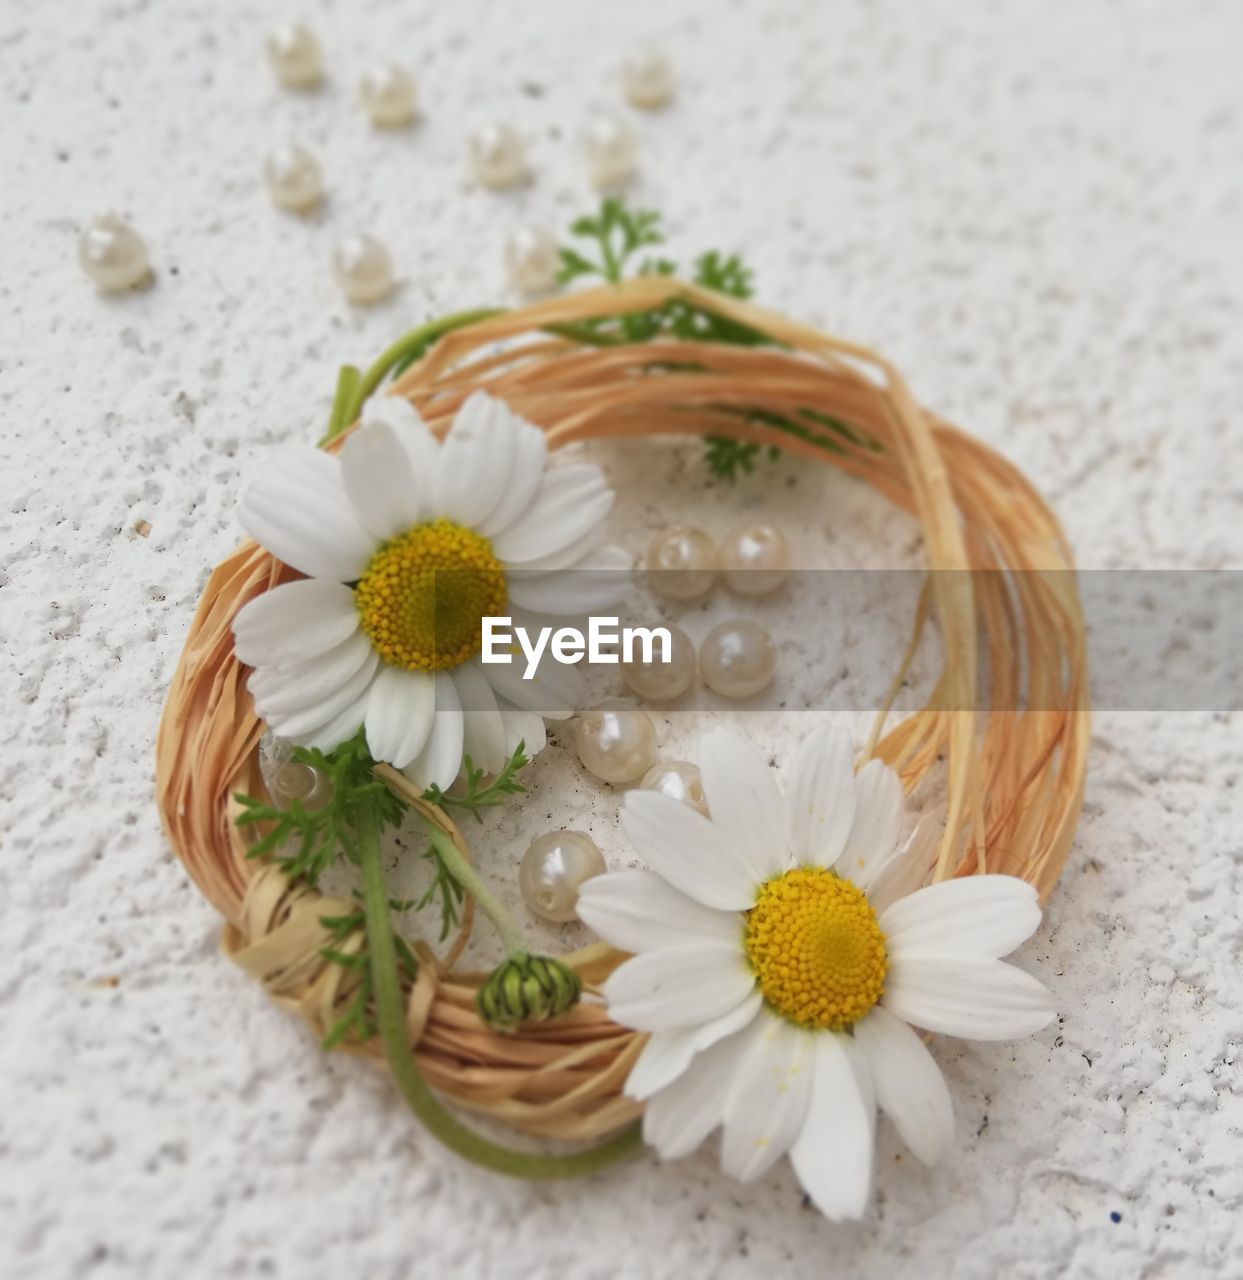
(647, 79)
(293, 178)
(612, 151)
(294, 781)
(532, 260)
(113, 254)
(295, 56)
(616, 744)
(498, 156)
(659, 681)
(678, 780)
(682, 563)
(755, 559)
(388, 96)
(737, 658)
(552, 870)
(363, 268)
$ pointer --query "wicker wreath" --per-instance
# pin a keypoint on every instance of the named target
(1014, 771)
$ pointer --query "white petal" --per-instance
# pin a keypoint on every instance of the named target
(399, 715)
(440, 761)
(525, 727)
(833, 1154)
(566, 555)
(594, 582)
(570, 503)
(530, 450)
(689, 851)
(420, 445)
(638, 911)
(974, 998)
(294, 622)
(910, 1088)
(873, 838)
(473, 468)
(379, 480)
(483, 728)
(280, 690)
(908, 871)
(820, 797)
(668, 1054)
(678, 1118)
(767, 1102)
(680, 986)
(297, 510)
(555, 690)
(743, 799)
(973, 915)
(341, 727)
(303, 719)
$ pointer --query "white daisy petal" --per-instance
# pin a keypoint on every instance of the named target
(522, 726)
(473, 468)
(832, 1156)
(294, 622)
(555, 690)
(570, 502)
(399, 714)
(678, 1118)
(877, 824)
(341, 727)
(668, 1054)
(483, 728)
(680, 986)
(530, 450)
(284, 689)
(379, 480)
(971, 997)
(297, 509)
(595, 581)
(689, 851)
(638, 911)
(295, 722)
(820, 797)
(440, 761)
(416, 438)
(767, 1102)
(565, 556)
(910, 1088)
(744, 801)
(985, 915)
(908, 871)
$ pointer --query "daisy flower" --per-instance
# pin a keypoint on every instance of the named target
(783, 952)
(407, 544)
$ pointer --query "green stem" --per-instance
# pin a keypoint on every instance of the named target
(470, 880)
(391, 1017)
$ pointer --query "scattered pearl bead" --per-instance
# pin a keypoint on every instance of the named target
(682, 563)
(678, 780)
(616, 744)
(659, 681)
(388, 96)
(498, 156)
(755, 559)
(113, 254)
(295, 56)
(737, 658)
(612, 152)
(363, 268)
(552, 870)
(647, 79)
(532, 260)
(293, 179)
(294, 781)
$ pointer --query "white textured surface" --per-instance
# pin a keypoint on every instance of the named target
(1034, 209)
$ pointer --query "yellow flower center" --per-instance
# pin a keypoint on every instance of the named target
(423, 597)
(816, 948)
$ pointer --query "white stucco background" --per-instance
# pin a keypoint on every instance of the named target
(1034, 209)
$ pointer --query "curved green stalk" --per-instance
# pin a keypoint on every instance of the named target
(391, 1018)
(473, 883)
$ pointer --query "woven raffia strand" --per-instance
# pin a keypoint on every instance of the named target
(1014, 773)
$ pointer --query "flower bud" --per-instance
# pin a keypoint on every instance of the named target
(527, 988)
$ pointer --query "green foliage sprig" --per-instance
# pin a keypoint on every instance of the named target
(478, 794)
(357, 1024)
